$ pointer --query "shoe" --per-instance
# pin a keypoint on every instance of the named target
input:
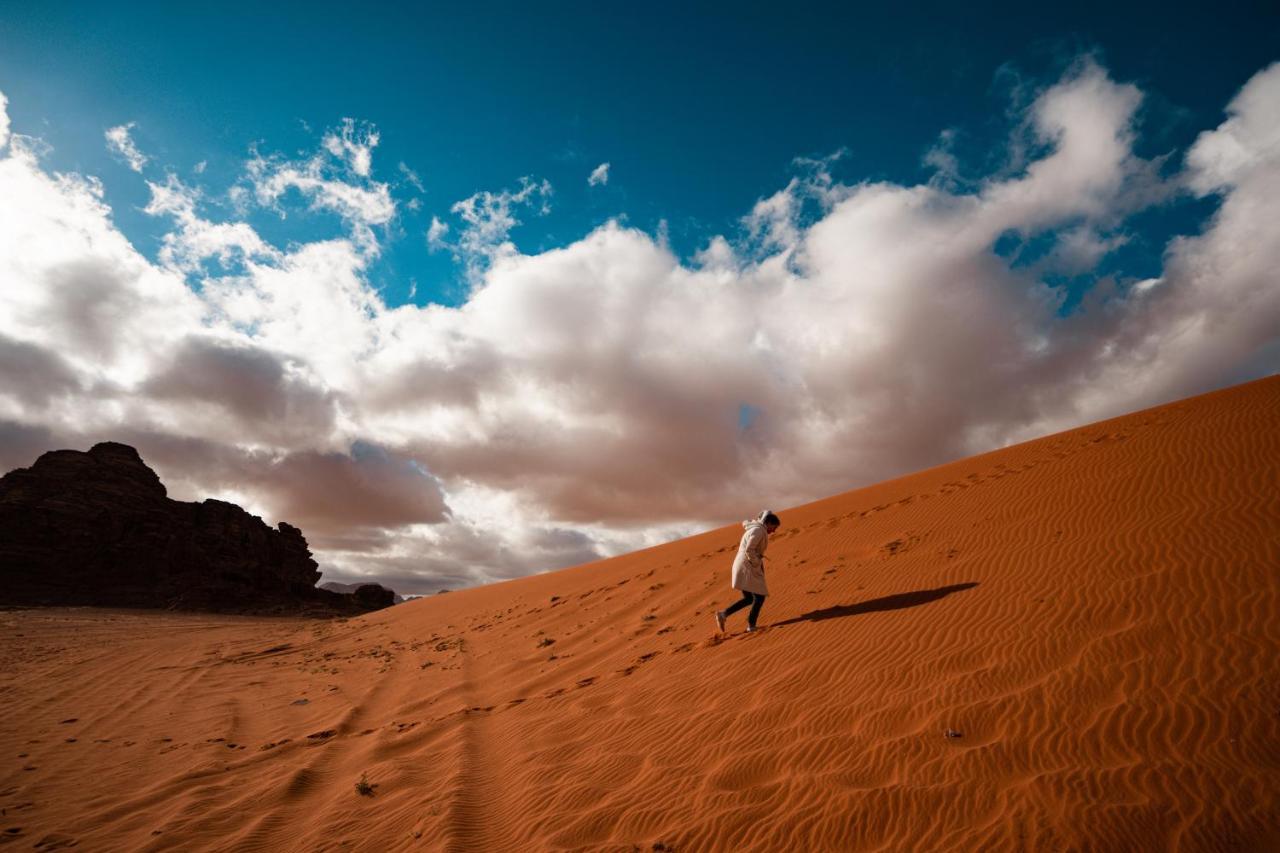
(720, 621)
(751, 629)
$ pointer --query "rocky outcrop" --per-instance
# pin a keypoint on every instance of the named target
(377, 591)
(98, 528)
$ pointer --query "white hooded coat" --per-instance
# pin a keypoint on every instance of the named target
(748, 565)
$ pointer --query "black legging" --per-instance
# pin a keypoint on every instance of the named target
(754, 599)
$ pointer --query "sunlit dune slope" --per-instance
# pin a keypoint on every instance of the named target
(1095, 614)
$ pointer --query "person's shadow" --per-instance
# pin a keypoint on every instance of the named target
(888, 602)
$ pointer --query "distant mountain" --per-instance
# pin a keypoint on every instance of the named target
(350, 589)
(98, 528)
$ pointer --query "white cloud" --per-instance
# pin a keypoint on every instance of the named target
(488, 218)
(353, 143)
(344, 187)
(197, 239)
(585, 400)
(361, 205)
(942, 159)
(74, 285)
(1213, 314)
(599, 176)
(772, 220)
(436, 234)
(1246, 143)
(412, 178)
(777, 222)
(1079, 249)
(121, 143)
(1092, 173)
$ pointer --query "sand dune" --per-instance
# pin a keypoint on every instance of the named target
(1095, 615)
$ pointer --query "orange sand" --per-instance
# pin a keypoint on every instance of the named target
(1096, 612)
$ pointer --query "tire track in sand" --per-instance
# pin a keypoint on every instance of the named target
(477, 818)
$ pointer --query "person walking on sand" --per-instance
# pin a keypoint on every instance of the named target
(748, 569)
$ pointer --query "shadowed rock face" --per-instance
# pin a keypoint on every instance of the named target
(371, 590)
(98, 529)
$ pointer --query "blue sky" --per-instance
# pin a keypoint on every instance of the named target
(699, 111)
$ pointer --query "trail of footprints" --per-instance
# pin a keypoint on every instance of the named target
(324, 662)
(1060, 449)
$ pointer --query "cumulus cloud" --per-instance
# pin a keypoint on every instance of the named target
(30, 375)
(230, 387)
(776, 223)
(599, 176)
(360, 490)
(121, 143)
(4, 120)
(1245, 145)
(587, 400)
(1213, 313)
(459, 554)
(74, 285)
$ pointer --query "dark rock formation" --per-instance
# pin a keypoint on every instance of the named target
(372, 596)
(354, 588)
(98, 529)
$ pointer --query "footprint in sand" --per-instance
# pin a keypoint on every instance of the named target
(55, 841)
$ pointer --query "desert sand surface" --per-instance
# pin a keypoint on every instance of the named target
(1094, 616)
